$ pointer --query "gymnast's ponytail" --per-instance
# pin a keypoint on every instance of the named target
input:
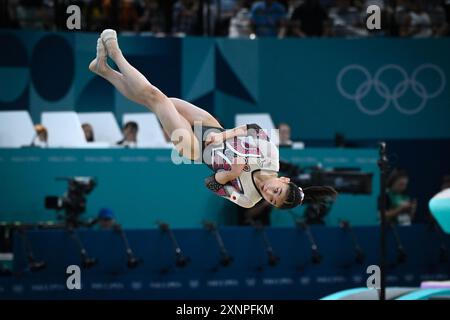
(296, 196)
(319, 194)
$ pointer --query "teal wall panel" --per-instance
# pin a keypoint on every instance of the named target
(307, 87)
(143, 186)
(364, 88)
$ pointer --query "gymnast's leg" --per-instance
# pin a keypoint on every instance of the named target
(133, 85)
(195, 115)
(189, 111)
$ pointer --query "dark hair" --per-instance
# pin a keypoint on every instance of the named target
(310, 194)
(293, 197)
(132, 125)
(395, 175)
(91, 138)
(445, 182)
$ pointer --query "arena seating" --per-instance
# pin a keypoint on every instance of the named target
(104, 125)
(150, 134)
(64, 129)
(16, 129)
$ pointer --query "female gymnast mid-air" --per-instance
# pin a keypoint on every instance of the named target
(244, 161)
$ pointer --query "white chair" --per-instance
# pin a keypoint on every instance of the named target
(64, 129)
(150, 133)
(16, 129)
(104, 124)
(264, 120)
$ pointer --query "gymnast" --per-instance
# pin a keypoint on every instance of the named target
(244, 160)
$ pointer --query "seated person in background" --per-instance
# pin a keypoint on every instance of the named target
(400, 208)
(309, 20)
(240, 22)
(284, 131)
(346, 20)
(130, 131)
(268, 19)
(445, 182)
(128, 16)
(417, 23)
(185, 17)
(151, 17)
(88, 132)
(439, 19)
(41, 138)
(106, 219)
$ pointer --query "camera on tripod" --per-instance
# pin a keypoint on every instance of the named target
(343, 180)
(73, 202)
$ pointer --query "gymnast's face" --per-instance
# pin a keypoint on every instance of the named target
(274, 190)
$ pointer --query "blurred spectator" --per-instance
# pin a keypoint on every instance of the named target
(284, 131)
(291, 5)
(34, 14)
(228, 10)
(417, 22)
(185, 17)
(445, 182)
(309, 20)
(130, 131)
(128, 16)
(97, 12)
(268, 19)
(8, 14)
(446, 7)
(439, 19)
(240, 23)
(88, 132)
(151, 18)
(400, 208)
(100, 14)
(106, 219)
(346, 20)
(400, 14)
(41, 138)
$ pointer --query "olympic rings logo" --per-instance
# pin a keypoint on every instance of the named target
(391, 95)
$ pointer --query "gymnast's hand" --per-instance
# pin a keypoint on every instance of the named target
(226, 176)
(214, 138)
